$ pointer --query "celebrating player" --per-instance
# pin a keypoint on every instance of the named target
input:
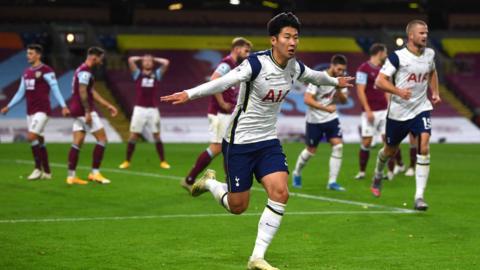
(322, 121)
(145, 112)
(250, 147)
(413, 72)
(374, 105)
(86, 119)
(219, 109)
(36, 83)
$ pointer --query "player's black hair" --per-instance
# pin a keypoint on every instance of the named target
(95, 51)
(376, 48)
(338, 59)
(36, 47)
(277, 23)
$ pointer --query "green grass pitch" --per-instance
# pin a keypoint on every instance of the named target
(144, 220)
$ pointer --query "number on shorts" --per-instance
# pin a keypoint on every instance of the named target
(427, 122)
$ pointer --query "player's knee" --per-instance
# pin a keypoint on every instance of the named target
(337, 150)
(102, 142)
(238, 207)
(280, 194)
(312, 149)
(32, 137)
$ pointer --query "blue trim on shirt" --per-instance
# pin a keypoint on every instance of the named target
(393, 58)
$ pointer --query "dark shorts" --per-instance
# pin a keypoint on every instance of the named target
(242, 161)
(316, 132)
(396, 131)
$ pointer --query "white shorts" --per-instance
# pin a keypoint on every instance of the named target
(37, 122)
(217, 126)
(80, 125)
(378, 125)
(145, 117)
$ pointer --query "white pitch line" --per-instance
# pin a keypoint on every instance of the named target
(293, 194)
(77, 219)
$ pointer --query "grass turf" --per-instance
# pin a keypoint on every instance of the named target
(146, 221)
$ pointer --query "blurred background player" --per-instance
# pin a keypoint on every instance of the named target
(251, 147)
(145, 112)
(413, 72)
(36, 83)
(374, 105)
(220, 107)
(86, 119)
(322, 122)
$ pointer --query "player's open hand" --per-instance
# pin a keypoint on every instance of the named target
(345, 81)
(113, 110)
(65, 112)
(4, 110)
(176, 98)
(405, 94)
(436, 99)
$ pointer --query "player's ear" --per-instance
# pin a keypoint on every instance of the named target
(273, 40)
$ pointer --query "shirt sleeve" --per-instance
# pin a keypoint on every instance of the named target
(52, 82)
(315, 77)
(84, 77)
(361, 77)
(223, 69)
(391, 65)
(158, 74)
(240, 74)
(135, 74)
(19, 95)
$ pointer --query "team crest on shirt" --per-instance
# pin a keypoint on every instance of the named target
(38, 74)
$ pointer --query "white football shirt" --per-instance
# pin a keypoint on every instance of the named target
(409, 71)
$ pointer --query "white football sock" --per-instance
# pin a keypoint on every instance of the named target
(267, 227)
(71, 173)
(422, 170)
(335, 162)
(219, 191)
(302, 161)
(380, 165)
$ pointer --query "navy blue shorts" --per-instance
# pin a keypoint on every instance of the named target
(396, 131)
(242, 161)
(316, 132)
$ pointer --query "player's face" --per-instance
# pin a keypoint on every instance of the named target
(382, 55)
(32, 56)
(419, 35)
(286, 42)
(338, 70)
(243, 53)
(147, 62)
(97, 60)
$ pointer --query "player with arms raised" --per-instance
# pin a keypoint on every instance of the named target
(37, 82)
(219, 109)
(250, 146)
(145, 112)
(413, 72)
(86, 119)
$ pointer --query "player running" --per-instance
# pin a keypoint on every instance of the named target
(145, 112)
(36, 83)
(322, 122)
(250, 146)
(86, 119)
(219, 109)
(413, 72)
(374, 105)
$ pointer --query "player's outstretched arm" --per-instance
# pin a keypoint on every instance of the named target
(98, 98)
(16, 99)
(383, 82)
(433, 83)
(321, 78)
(241, 73)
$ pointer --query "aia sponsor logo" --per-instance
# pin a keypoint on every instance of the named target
(275, 97)
(417, 78)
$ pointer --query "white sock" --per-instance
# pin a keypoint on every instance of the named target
(94, 171)
(219, 191)
(335, 162)
(380, 165)
(267, 227)
(422, 169)
(71, 173)
(302, 161)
